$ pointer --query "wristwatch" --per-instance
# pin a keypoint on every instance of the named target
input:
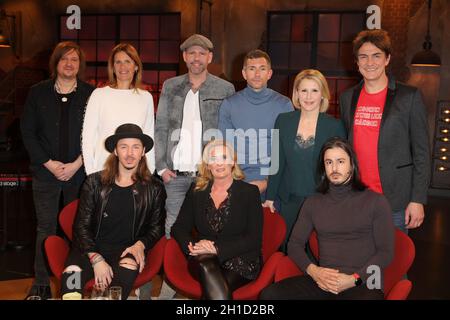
(358, 280)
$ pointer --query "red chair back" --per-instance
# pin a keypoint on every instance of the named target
(314, 244)
(404, 255)
(57, 251)
(274, 231)
(67, 217)
(176, 270)
(286, 268)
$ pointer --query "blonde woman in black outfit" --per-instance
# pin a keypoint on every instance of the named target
(226, 214)
(354, 229)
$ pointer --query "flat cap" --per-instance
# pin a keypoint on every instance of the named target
(197, 40)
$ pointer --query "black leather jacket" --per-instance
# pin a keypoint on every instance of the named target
(149, 214)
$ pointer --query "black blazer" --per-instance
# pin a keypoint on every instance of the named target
(241, 236)
(403, 145)
(40, 127)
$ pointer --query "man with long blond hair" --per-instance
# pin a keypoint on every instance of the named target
(120, 217)
(51, 127)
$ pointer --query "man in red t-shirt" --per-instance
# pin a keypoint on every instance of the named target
(387, 125)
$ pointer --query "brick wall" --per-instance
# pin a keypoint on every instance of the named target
(395, 18)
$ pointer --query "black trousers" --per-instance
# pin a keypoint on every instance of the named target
(122, 276)
(47, 200)
(305, 288)
(217, 283)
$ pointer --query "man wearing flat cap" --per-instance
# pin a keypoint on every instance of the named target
(120, 217)
(187, 116)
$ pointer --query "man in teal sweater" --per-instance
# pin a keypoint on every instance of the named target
(247, 118)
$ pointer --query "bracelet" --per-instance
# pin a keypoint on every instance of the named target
(97, 259)
(93, 256)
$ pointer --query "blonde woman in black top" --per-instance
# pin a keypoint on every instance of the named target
(227, 215)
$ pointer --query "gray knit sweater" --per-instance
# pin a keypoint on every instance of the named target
(354, 228)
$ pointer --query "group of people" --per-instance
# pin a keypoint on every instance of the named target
(223, 156)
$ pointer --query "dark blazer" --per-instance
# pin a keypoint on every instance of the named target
(40, 127)
(242, 234)
(148, 220)
(403, 145)
(285, 182)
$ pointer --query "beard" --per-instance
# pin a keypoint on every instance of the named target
(196, 69)
(340, 183)
(129, 166)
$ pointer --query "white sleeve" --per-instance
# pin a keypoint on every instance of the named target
(149, 129)
(89, 134)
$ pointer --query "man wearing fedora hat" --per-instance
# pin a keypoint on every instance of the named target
(187, 117)
(120, 217)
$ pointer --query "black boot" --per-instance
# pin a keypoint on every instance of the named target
(42, 291)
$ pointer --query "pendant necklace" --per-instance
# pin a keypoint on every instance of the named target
(58, 89)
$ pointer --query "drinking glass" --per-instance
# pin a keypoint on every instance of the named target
(99, 293)
(115, 293)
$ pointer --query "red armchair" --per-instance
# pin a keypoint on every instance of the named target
(57, 250)
(274, 230)
(67, 217)
(395, 287)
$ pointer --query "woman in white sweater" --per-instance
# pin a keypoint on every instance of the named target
(120, 102)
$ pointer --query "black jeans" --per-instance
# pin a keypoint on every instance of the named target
(217, 283)
(305, 288)
(47, 197)
(122, 276)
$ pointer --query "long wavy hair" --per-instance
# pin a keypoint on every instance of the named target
(204, 174)
(111, 171)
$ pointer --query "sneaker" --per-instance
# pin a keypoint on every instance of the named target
(42, 291)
